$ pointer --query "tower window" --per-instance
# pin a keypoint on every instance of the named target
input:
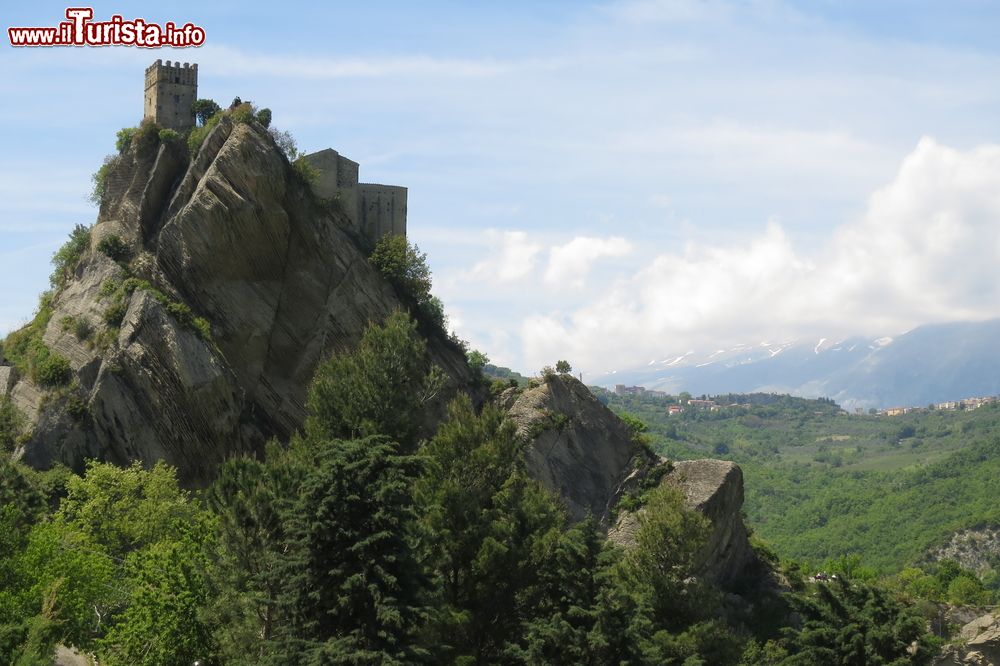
(177, 79)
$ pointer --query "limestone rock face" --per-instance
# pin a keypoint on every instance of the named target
(980, 644)
(234, 234)
(974, 548)
(577, 447)
(714, 488)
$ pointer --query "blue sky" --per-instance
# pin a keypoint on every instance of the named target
(610, 182)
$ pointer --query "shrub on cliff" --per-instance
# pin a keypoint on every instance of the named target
(123, 139)
(198, 134)
(11, 424)
(66, 258)
(99, 179)
(114, 248)
(50, 369)
(405, 266)
(168, 136)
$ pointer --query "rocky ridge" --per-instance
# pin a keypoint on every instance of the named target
(577, 447)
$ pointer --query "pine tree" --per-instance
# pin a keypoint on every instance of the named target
(251, 499)
(354, 588)
(566, 612)
(852, 623)
(491, 529)
(380, 388)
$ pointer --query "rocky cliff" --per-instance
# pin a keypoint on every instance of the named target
(201, 343)
(577, 447)
(581, 450)
(715, 489)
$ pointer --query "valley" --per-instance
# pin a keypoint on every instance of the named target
(822, 484)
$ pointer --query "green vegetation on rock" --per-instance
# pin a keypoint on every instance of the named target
(67, 257)
(197, 135)
(118, 293)
(11, 425)
(25, 349)
(114, 248)
(404, 265)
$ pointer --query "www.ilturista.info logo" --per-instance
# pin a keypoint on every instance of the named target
(80, 30)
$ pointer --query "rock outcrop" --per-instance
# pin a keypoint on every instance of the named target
(232, 235)
(714, 488)
(577, 447)
(975, 549)
(581, 450)
(979, 644)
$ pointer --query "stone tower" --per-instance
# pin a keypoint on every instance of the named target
(170, 92)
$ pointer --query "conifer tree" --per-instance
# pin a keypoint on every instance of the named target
(491, 529)
(847, 622)
(354, 589)
(380, 388)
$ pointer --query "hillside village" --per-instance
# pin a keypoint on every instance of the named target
(678, 404)
(949, 406)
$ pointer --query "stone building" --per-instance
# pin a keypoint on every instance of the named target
(171, 89)
(374, 210)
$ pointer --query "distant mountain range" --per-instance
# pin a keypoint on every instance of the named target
(933, 363)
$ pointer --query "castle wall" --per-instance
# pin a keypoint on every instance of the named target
(381, 210)
(170, 91)
(374, 210)
(337, 179)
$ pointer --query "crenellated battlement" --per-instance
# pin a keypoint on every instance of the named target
(170, 91)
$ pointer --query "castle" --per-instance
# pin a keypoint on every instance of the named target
(374, 210)
(170, 92)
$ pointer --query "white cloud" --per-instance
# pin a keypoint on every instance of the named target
(925, 250)
(570, 263)
(512, 257)
(928, 245)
